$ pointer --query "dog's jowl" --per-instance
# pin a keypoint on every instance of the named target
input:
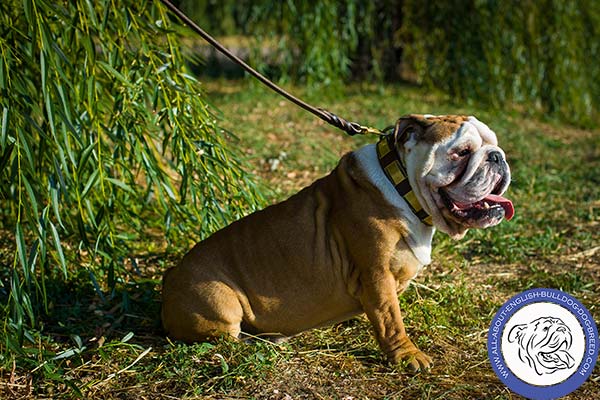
(348, 243)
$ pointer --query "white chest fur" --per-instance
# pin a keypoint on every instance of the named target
(420, 235)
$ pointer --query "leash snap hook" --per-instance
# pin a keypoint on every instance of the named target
(355, 129)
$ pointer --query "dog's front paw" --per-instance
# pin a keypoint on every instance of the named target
(417, 361)
(409, 357)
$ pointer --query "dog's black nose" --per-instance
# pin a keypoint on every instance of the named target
(495, 157)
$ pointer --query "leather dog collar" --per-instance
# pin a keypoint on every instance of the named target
(396, 172)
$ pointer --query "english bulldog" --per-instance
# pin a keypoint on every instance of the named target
(544, 344)
(347, 244)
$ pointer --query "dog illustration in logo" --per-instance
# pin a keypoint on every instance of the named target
(544, 344)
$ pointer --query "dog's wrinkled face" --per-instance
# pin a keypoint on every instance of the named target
(460, 172)
(544, 344)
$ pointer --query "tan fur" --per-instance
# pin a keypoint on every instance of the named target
(433, 129)
(332, 251)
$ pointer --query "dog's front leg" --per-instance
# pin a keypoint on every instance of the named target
(380, 303)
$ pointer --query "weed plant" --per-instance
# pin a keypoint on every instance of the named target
(105, 140)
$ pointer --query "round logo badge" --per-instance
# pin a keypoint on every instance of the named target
(543, 344)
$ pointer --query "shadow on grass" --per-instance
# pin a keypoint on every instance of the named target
(78, 309)
(79, 312)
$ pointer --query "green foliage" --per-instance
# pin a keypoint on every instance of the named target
(105, 138)
(319, 43)
(219, 17)
(536, 53)
(314, 41)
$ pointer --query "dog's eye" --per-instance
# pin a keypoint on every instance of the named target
(464, 153)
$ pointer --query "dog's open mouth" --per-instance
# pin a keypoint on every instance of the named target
(492, 206)
(558, 359)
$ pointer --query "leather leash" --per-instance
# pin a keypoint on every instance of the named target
(351, 128)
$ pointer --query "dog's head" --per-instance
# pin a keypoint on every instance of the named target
(544, 344)
(456, 169)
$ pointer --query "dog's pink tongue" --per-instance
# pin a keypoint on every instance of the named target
(509, 210)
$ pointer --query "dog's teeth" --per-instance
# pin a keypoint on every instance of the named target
(486, 205)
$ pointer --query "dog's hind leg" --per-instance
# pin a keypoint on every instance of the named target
(200, 312)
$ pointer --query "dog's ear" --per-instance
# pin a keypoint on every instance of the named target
(516, 333)
(428, 128)
(408, 125)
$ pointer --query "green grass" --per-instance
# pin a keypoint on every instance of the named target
(114, 348)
